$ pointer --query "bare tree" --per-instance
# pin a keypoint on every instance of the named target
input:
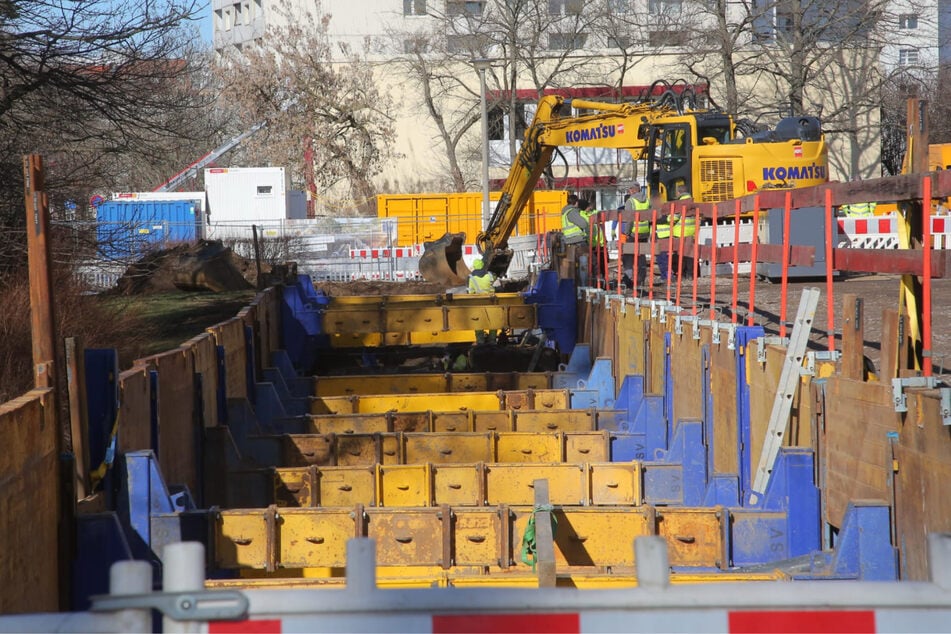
(103, 89)
(325, 119)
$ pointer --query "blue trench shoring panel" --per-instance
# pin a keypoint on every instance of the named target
(557, 309)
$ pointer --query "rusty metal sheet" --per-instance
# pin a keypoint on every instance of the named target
(492, 421)
(530, 447)
(461, 318)
(410, 537)
(519, 399)
(404, 485)
(230, 335)
(303, 450)
(397, 319)
(347, 486)
(422, 402)
(391, 449)
(513, 483)
(522, 316)
(334, 405)
(424, 338)
(350, 423)
(134, 408)
(205, 362)
(469, 382)
(311, 538)
(556, 420)
(615, 483)
(364, 340)
(532, 381)
(477, 537)
(350, 320)
(458, 484)
(410, 421)
(453, 447)
(357, 449)
(695, 537)
(589, 536)
(552, 399)
(242, 540)
(295, 486)
(594, 446)
(451, 421)
(380, 384)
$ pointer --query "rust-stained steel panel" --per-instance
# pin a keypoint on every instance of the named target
(695, 536)
(458, 484)
(414, 319)
(590, 537)
(615, 483)
(477, 537)
(303, 450)
(242, 539)
(411, 537)
(530, 447)
(513, 483)
(347, 486)
(311, 537)
(453, 447)
(556, 420)
(594, 446)
(404, 485)
(295, 487)
(492, 421)
(349, 423)
(451, 421)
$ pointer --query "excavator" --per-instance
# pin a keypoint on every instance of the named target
(706, 150)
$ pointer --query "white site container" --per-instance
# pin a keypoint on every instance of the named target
(246, 195)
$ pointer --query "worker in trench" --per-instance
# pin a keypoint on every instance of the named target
(481, 281)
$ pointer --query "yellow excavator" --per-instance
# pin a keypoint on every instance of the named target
(702, 149)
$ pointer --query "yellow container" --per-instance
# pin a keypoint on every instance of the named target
(424, 217)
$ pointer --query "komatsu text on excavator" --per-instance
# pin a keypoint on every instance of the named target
(703, 149)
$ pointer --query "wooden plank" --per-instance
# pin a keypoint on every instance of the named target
(544, 539)
(177, 433)
(890, 354)
(29, 505)
(924, 470)
(858, 418)
(686, 366)
(897, 261)
(853, 337)
(78, 420)
(230, 335)
(725, 418)
(134, 410)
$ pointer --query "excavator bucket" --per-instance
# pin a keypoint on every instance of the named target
(441, 260)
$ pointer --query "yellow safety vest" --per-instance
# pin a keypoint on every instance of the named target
(859, 210)
(684, 226)
(481, 284)
(568, 228)
(644, 226)
(598, 235)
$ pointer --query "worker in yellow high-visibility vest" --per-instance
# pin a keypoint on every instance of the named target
(481, 282)
(637, 202)
(683, 225)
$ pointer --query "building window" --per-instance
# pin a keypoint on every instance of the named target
(665, 7)
(415, 45)
(622, 42)
(908, 21)
(496, 130)
(414, 7)
(465, 43)
(461, 7)
(619, 6)
(658, 39)
(565, 7)
(264, 190)
(907, 56)
(566, 41)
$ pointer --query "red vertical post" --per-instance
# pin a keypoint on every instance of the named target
(830, 301)
(637, 251)
(680, 253)
(696, 261)
(670, 254)
(736, 260)
(784, 286)
(926, 365)
(591, 251)
(713, 266)
(603, 250)
(650, 268)
(754, 253)
(621, 241)
(40, 272)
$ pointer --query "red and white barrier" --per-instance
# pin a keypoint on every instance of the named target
(881, 232)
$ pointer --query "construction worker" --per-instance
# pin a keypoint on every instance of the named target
(574, 226)
(481, 282)
(683, 224)
(637, 201)
(596, 239)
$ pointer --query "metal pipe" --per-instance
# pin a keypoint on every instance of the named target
(830, 304)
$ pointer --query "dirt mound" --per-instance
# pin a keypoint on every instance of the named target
(206, 265)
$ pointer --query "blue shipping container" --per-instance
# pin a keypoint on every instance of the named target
(127, 229)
